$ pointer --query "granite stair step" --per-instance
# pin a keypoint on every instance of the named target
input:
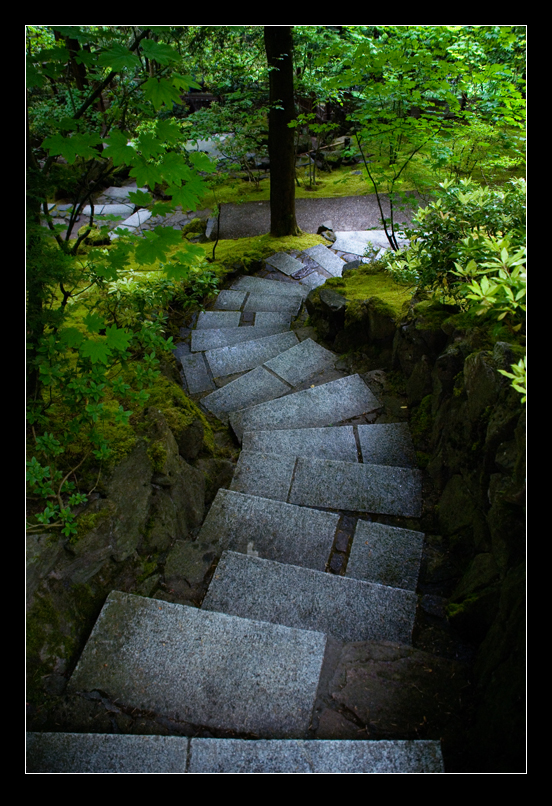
(116, 753)
(274, 378)
(248, 355)
(328, 404)
(213, 338)
(311, 482)
(262, 285)
(380, 443)
(346, 608)
(268, 528)
(202, 668)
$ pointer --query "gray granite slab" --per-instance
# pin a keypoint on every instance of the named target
(348, 609)
(284, 263)
(218, 319)
(361, 488)
(355, 242)
(274, 302)
(270, 529)
(271, 318)
(322, 443)
(249, 354)
(204, 668)
(320, 756)
(263, 285)
(331, 403)
(196, 373)
(301, 362)
(106, 753)
(229, 300)
(214, 338)
(386, 554)
(250, 389)
(140, 217)
(110, 209)
(313, 280)
(329, 261)
(387, 444)
(263, 474)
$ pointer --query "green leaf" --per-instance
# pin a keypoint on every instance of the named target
(150, 145)
(174, 169)
(185, 82)
(78, 145)
(117, 58)
(160, 92)
(202, 162)
(159, 51)
(118, 338)
(168, 132)
(119, 150)
(140, 198)
(71, 336)
(96, 350)
(145, 173)
(189, 195)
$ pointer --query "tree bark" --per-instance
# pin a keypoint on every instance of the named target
(281, 147)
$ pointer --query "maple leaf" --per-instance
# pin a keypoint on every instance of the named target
(96, 350)
(118, 338)
(161, 91)
(119, 150)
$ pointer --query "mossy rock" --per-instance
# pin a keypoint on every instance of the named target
(196, 226)
(96, 237)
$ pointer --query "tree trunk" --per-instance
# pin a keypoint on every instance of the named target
(281, 146)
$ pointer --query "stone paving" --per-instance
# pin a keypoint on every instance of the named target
(290, 578)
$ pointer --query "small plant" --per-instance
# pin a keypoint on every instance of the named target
(518, 377)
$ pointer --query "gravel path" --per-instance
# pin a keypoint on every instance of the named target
(346, 213)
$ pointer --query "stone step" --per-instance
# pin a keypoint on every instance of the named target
(268, 528)
(262, 285)
(386, 555)
(331, 403)
(331, 484)
(213, 338)
(381, 443)
(327, 259)
(202, 669)
(274, 378)
(196, 372)
(355, 242)
(112, 753)
(249, 354)
(346, 608)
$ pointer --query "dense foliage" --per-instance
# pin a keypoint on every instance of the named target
(104, 103)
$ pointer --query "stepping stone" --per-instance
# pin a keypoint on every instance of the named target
(329, 261)
(301, 362)
(313, 280)
(196, 373)
(254, 387)
(106, 753)
(328, 404)
(270, 529)
(260, 285)
(229, 300)
(321, 756)
(136, 220)
(312, 482)
(329, 443)
(242, 357)
(119, 753)
(271, 318)
(214, 338)
(284, 263)
(321, 443)
(386, 554)
(359, 488)
(204, 668)
(348, 609)
(387, 444)
(274, 302)
(218, 319)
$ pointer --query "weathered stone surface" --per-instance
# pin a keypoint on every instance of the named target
(218, 319)
(322, 443)
(250, 354)
(348, 609)
(301, 362)
(229, 300)
(284, 263)
(306, 757)
(329, 261)
(328, 404)
(270, 529)
(386, 555)
(196, 373)
(214, 338)
(250, 389)
(256, 678)
(264, 286)
(274, 302)
(387, 444)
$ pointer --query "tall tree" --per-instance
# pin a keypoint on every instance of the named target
(281, 148)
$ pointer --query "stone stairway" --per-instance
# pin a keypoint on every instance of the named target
(302, 564)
